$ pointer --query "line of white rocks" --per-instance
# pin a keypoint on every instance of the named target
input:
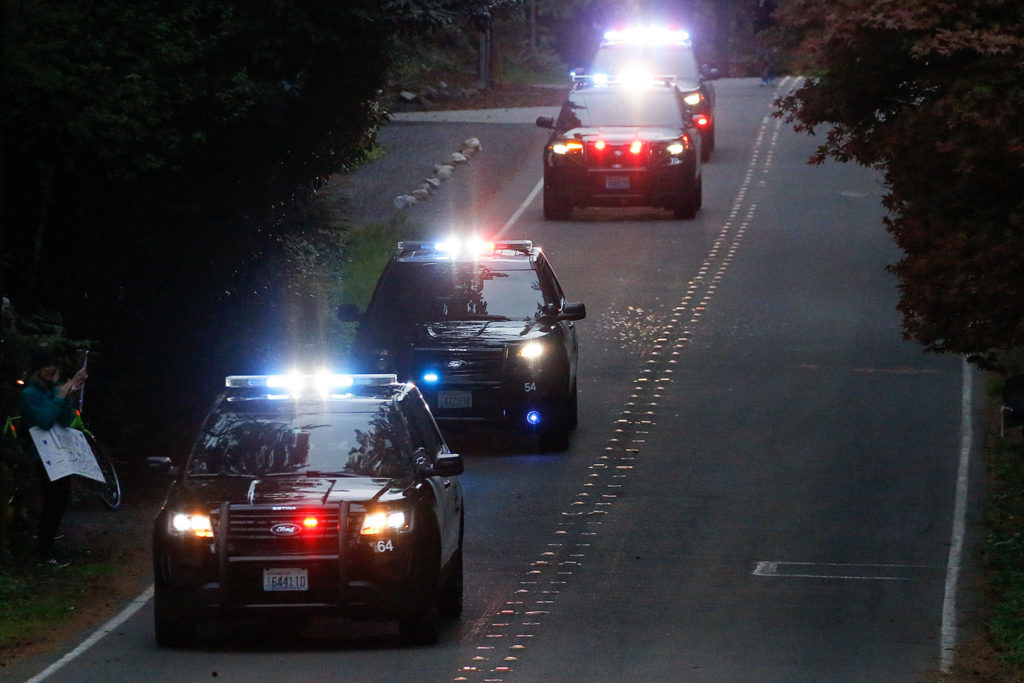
(442, 172)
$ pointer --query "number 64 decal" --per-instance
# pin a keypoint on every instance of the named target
(382, 546)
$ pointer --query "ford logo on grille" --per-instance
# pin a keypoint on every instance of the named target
(456, 364)
(285, 529)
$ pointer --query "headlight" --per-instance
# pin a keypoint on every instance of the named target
(563, 148)
(531, 350)
(383, 521)
(185, 524)
(692, 99)
(676, 148)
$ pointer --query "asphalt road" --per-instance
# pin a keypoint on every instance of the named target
(767, 484)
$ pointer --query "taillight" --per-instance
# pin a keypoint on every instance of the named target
(701, 120)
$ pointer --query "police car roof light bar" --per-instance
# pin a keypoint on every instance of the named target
(332, 380)
(475, 247)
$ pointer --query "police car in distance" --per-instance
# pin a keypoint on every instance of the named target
(312, 496)
(622, 142)
(483, 328)
(661, 50)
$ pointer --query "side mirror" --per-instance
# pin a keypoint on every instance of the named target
(448, 465)
(710, 73)
(573, 311)
(349, 313)
(162, 465)
(546, 122)
(444, 465)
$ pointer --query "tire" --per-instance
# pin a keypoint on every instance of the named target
(572, 413)
(555, 210)
(686, 208)
(171, 629)
(707, 144)
(109, 490)
(450, 600)
(421, 625)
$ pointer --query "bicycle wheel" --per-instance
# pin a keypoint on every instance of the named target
(109, 489)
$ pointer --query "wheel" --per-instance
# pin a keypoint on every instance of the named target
(109, 489)
(707, 144)
(450, 599)
(572, 413)
(420, 625)
(687, 208)
(555, 210)
(171, 630)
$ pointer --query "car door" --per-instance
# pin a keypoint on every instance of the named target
(447, 490)
(565, 329)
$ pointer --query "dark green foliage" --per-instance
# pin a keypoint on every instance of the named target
(930, 93)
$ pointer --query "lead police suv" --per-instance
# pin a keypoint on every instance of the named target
(483, 328)
(310, 496)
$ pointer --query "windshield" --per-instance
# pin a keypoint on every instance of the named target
(435, 292)
(658, 60)
(260, 437)
(605, 107)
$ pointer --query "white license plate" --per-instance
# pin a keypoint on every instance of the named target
(290, 579)
(455, 399)
(616, 182)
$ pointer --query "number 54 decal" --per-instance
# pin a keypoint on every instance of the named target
(530, 386)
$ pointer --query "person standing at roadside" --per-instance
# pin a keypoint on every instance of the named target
(45, 402)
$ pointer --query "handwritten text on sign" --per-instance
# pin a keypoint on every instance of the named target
(65, 451)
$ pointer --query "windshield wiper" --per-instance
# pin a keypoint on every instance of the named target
(482, 316)
(328, 473)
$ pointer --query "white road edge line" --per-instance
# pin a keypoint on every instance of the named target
(97, 635)
(948, 640)
(522, 207)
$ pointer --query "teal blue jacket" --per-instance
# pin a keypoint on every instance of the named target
(41, 407)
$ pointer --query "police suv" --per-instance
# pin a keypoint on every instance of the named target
(483, 328)
(663, 50)
(622, 142)
(312, 495)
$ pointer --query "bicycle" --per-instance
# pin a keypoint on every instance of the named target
(109, 490)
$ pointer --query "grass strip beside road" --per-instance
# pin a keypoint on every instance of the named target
(1003, 550)
(38, 600)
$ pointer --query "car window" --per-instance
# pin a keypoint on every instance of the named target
(549, 281)
(595, 107)
(284, 437)
(424, 430)
(411, 293)
(658, 60)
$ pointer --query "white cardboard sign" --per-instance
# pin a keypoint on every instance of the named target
(65, 451)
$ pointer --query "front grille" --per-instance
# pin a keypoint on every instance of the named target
(617, 156)
(460, 366)
(249, 532)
